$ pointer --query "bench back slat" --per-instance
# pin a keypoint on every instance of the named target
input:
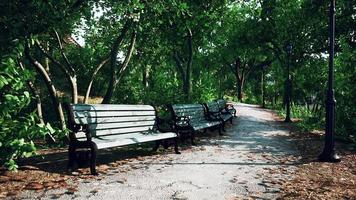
(213, 106)
(110, 107)
(194, 111)
(99, 120)
(106, 119)
(221, 103)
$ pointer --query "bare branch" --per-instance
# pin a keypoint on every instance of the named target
(44, 52)
(69, 65)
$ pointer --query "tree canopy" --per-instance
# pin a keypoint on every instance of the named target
(166, 52)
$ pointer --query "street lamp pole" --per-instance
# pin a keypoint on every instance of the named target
(288, 83)
(328, 154)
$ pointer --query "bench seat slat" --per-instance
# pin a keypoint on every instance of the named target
(120, 130)
(110, 107)
(226, 116)
(203, 125)
(96, 133)
(114, 141)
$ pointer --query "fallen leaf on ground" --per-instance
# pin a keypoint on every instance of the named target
(34, 186)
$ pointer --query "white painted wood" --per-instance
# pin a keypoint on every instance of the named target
(108, 142)
(121, 125)
(94, 114)
(120, 130)
(85, 120)
(110, 107)
(79, 135)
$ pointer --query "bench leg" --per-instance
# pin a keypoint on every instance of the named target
(221, 127)
(205, 130)
(155, 148)
(176, 146)
(231, 119)
(192, 136)
(72, 158)
(93, 151)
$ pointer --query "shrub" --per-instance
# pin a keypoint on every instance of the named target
(18, 129)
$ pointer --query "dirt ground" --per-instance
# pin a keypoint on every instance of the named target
(257, 158)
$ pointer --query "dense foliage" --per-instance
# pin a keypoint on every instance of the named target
(18, 128)
(168, 51)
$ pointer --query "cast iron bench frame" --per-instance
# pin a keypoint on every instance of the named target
(225, 107)
(100, 126)
(184, 121)
(212, 109)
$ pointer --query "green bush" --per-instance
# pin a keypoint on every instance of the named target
(18, 129)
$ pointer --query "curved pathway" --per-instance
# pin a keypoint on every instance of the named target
(251, 161)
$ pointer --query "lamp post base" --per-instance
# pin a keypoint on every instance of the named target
(329, 157)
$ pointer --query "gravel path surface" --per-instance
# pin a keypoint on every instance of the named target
(251, 161)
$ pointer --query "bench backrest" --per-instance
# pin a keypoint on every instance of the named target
(212, 106)
(194, 111)
(108, 119)
(221, 103)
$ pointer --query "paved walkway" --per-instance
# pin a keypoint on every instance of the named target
(250, 161)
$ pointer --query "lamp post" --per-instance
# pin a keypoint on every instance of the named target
(288, 49)
(328, 154)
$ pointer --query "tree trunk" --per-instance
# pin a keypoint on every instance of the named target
(145, 76)
(187, 86)
(240, 78)
(50, 87)
(87, 93)
(68, 70)
(119, 73)
(240, 90)
(113, 61)
(74, 87)
(35, 94)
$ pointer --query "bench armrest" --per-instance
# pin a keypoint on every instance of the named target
(160, 122)
(181, 121)
(213, 116)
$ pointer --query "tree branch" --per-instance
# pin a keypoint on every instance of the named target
(44, 52)
(69, 65)
(179, 64)
(86, 98)
(128, 56)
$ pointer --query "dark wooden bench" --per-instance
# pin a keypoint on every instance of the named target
(225, 107)
(213, 109)
(192, 118)
(99, 126)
